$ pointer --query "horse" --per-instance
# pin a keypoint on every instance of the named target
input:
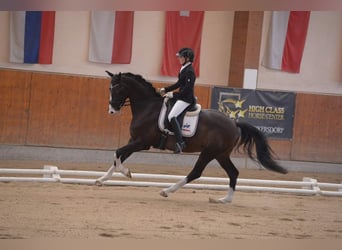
(216, 136)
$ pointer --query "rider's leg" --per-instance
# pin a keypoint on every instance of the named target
(180, 144)
(177, 109)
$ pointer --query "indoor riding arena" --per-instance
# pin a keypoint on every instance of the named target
(280, 71)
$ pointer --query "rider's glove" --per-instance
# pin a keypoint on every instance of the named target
(169, 95)
(162, 91)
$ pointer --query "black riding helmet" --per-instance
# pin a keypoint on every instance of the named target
(186, 53)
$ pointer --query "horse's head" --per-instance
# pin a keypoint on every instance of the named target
(118, 93)
(125, 86)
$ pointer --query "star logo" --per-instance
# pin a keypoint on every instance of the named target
(231, 105)
(238, 103)
(242, 113)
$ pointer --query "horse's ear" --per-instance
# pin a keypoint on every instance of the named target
(109, 73)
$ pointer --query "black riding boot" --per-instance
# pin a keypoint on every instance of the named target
(180, 144)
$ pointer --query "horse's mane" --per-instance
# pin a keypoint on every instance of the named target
(142, 80)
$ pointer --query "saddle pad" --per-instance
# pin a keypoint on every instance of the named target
(189, 123)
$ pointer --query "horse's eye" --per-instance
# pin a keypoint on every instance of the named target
(113, 87)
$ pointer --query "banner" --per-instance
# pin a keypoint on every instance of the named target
(182, 29)
(111, 37)
(286, 40)
(271, 112)
(32, 36)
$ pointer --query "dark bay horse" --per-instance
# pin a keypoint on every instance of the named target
(215, 138)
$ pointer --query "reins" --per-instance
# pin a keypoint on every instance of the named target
(128, 102)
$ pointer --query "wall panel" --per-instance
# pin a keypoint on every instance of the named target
(203, 93)
(14, 106)
(317, 128)
(281, 148)
(71, 111)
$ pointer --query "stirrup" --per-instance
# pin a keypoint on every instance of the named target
(179, 147)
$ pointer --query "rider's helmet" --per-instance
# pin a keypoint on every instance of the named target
(186, 53)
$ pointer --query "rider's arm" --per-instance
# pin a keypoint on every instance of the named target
(173, 86)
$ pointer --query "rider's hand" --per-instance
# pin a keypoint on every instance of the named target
(161, 91)
(168, 95)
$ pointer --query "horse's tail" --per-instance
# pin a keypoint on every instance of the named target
(250, 137)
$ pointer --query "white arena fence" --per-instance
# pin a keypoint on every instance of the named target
(308, 186)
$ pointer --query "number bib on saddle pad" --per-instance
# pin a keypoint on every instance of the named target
(189, 124)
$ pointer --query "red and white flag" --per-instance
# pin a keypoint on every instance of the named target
(286, 40)
(32, 36)
(111, 36)
(182, 29)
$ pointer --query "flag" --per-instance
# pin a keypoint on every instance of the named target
(286, 40)
(111, 36)
(182, 29)
(32, 36)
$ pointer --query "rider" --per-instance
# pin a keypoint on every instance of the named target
(185, 96)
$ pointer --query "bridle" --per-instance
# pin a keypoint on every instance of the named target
(121, 103)
(127, 102)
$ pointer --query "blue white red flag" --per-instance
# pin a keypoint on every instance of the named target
(32, 36)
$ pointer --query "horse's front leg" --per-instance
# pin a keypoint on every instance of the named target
(116, 166)
(119, 157)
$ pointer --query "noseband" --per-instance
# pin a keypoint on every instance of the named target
(125, 102)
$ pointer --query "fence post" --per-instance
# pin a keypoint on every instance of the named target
(314, 186)
(54, 174)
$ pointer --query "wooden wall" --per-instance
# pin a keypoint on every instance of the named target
(15, 89)
(318, 128)
(71, 111)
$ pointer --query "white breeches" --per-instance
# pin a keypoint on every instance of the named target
(177, 109)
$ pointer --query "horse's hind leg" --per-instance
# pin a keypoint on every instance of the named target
(233, 174)
(195, 173)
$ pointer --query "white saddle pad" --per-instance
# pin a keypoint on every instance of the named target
(189, 123)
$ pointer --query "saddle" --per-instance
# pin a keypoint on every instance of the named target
(188, 120)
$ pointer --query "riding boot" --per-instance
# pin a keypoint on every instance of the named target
(180, 144)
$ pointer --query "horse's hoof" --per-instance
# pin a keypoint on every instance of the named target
(218, 201)
(99, 183)
(163, 193)
(128, 174)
